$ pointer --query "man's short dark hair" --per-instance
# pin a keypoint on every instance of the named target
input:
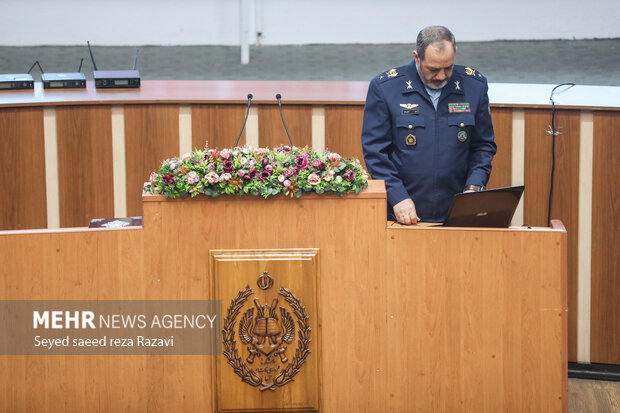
(430, 35)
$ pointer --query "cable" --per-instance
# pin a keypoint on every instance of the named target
(553, 133)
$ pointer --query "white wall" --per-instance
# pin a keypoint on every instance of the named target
(216, 22)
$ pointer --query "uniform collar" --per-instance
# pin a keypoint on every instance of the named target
(454, 87)
(412, 82)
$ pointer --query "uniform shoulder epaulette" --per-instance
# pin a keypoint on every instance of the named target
(390, 74)
(469, 72)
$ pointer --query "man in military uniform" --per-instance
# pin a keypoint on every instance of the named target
(427, 130)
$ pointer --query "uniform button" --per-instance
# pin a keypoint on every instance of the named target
(410, 126)
(462, 124)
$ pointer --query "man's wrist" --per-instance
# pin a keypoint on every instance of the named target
(475, 188)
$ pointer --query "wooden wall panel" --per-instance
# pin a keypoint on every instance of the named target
(22, 169)
(151, 136)
(501, 174)
(605, 315)
(565, 202)
(217, 124)
(271, 130)
(85, 180)
(343, 130)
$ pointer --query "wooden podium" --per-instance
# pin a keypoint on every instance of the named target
(398, 319)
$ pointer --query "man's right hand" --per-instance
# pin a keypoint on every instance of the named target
(405, 212)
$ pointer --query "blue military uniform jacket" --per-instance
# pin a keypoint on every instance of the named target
(426, 154)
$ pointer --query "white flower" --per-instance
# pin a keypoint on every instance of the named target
(243, 161)
(225, 176)
(339, 179)
(281, 178)
(172, 165)
(245, 151)
(328, 178)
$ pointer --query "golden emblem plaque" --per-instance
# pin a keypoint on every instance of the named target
(269, 338)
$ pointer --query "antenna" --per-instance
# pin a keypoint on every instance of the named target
(91, 55)
(80, 67)
(135, 61)
(36, 63)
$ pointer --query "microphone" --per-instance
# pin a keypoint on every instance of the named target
(247, 112)
(279, 98)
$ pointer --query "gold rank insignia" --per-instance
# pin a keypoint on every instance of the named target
(391, 73)
(411, 140)
(461, 136)
(469, 71)
(409, 84)
(457, 86)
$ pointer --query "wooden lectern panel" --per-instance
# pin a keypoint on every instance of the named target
(271, 335)
(22, 169)
(475, 323)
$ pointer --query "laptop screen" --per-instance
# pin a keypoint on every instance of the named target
(493, 208)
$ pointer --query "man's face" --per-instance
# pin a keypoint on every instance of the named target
(436, 68)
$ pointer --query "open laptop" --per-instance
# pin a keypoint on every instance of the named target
(492, 208)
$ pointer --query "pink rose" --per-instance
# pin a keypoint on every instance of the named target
(212, 178)
(186, 156)
(314, 179)
(334, 157)
(288, 172)
(286, 183)
(316, 163)
(225, 153)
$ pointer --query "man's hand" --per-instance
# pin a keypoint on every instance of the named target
(405, 212)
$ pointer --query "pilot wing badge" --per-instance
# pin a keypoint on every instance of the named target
(410, 108)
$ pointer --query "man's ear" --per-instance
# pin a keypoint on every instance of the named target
(416, 57)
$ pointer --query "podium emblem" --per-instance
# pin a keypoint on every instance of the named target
(266, 330)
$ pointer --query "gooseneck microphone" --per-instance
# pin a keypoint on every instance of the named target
(279, 98)
(247, 112)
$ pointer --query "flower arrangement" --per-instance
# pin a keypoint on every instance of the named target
(257, 171)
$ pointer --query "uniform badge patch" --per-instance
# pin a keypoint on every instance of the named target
(410, 108)
(458, 107)
(411, 140)
(461, 136)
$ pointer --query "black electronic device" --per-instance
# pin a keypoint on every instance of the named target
(64, 80)
(16, 81)
(493, 208)
(113, 79)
